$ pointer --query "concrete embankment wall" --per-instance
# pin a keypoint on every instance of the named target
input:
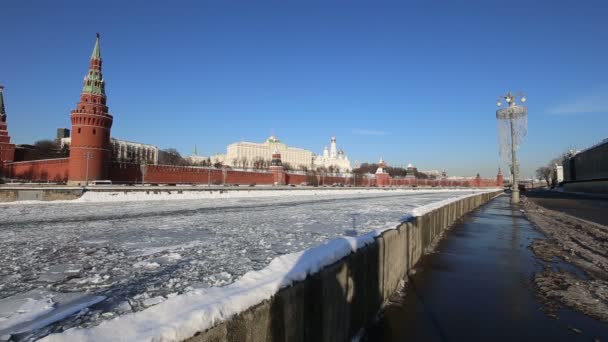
(39, 194)
(335, 303)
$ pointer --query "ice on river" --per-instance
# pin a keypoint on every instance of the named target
(95, 259)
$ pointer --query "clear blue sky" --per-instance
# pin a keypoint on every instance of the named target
(410, 81)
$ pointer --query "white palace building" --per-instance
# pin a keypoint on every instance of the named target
(246, 154)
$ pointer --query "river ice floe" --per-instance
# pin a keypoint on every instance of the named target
(76, 264)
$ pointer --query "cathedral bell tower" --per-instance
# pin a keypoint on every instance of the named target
(91, 123)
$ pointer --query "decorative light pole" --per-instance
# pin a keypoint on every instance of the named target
(512, 128)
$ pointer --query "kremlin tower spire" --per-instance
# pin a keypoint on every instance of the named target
(7, 150)
(91, 124)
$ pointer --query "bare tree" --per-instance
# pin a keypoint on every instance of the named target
(244, 162)
(544, 172)
(169, 156)
(45, 149)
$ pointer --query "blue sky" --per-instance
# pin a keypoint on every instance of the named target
(410, 81)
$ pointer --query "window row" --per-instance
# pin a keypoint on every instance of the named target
(79, 120)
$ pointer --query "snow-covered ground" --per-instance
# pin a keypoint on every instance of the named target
(78, 263)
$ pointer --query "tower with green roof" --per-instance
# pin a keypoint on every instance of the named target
(91, 123)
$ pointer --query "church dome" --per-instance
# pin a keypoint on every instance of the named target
(272, 139)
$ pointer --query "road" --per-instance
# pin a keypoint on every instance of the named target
(587, 207)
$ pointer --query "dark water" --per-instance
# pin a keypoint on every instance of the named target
(478, 286)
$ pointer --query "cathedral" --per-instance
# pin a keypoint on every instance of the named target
(332, 157)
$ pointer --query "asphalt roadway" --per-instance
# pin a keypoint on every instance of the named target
(587, 207)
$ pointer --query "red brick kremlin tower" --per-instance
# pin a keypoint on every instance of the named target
(382, 177)
(91, 123)
(7, 150)
(277, 168)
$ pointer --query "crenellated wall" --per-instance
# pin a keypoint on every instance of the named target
(47, 170)
(56, 170)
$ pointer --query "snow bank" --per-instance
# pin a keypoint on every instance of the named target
(153, 194)
(425, 209)
(182, 316)
(165, 195)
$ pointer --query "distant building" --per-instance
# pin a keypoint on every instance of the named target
(410, 171)
(332, 157)
(559, 173)
(250, 154)
(246, 154)
(62, 133)
(123, 151)
(587, 170)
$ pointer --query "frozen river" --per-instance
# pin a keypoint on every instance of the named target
(82, 262)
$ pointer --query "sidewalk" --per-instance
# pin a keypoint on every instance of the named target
(479, 286)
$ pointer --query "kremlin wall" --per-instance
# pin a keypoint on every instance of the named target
(91, 148)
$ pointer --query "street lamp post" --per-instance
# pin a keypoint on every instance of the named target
(516, 118)
(88, 156)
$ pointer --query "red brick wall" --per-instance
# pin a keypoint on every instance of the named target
(296, 179)
(246, 177)
(57, 170)
(130, 173)
(53, 170)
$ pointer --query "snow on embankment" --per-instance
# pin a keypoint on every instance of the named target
(183, 316)
(128, 196)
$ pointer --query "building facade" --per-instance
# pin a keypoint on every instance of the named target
(332, 157)
(91, 123)
(122, 151)
(587, 170)
(249, 154)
